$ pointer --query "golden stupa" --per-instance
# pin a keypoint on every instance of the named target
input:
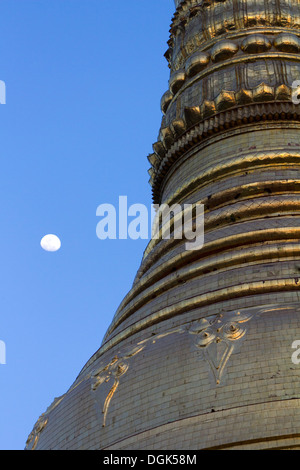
(199, 354)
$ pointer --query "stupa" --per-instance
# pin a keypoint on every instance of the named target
(199, 354)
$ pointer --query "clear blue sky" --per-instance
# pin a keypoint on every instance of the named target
(84, 80)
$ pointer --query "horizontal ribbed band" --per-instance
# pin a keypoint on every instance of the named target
(238, 116)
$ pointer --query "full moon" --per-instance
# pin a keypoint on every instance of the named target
(50, 243)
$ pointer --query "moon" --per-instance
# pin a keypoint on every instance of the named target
(50, 242)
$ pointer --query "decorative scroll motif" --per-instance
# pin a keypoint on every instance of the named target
(118, 367)
(112, 372)
(34, 436)
(40, 425)
(218, 336)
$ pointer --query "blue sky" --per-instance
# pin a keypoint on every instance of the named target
(84, 80)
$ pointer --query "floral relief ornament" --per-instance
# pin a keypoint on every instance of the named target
(218, 336)
(112, 372)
